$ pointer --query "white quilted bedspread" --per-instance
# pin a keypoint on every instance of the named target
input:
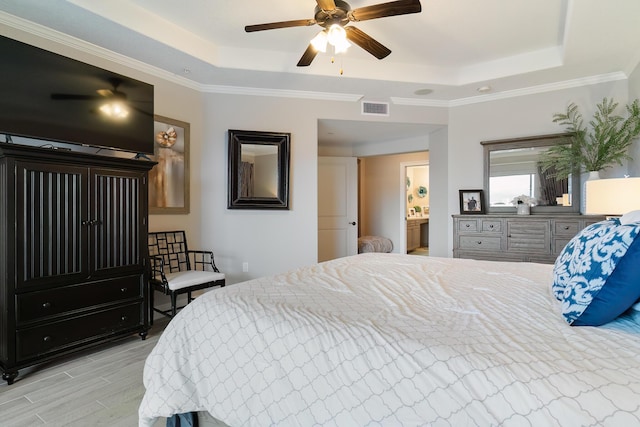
(394, 340)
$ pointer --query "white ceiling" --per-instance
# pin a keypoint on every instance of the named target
(452, 47)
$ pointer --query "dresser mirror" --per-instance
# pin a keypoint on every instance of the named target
(258, 170)
(511, 169)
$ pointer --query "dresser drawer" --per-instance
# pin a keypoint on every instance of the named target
(480, 243)
(566, 228)
(559, 244)
(41, 304)
(56, 336)
(467, 225)
(491, 225)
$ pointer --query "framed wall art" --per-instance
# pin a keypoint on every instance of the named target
(169, 179)
(472, 202)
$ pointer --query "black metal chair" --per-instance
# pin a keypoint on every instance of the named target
(175, 270)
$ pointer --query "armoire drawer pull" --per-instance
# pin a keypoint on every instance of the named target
(46, 339)
(123, 290)
(46, 305)
(467, 225)
(124, 318)
(479, 242)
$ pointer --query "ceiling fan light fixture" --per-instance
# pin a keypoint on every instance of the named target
(342, 46)
(337, 35)
(115, 110)
(319, 42)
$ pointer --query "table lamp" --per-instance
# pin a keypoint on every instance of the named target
(612, 197)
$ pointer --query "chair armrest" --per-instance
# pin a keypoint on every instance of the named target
(157, 269)
(201, 259)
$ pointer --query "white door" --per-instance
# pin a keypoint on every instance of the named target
(337, 207)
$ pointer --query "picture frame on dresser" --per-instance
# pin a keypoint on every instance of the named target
(472, 202)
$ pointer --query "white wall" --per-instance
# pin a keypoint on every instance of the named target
(634, 152)
(271, 241)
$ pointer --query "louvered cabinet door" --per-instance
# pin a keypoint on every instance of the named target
(118, 228)
(51, 233)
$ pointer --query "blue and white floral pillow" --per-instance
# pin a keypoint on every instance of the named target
(597, 275)
(569, 261)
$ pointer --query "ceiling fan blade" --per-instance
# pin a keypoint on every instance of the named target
(307, 56)
(326, 5)
(106, 92)
(68, 96)
(366, 42)
(283, 24)
(400, 7)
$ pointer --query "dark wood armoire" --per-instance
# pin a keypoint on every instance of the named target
(73, 243)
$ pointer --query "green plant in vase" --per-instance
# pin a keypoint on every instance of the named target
(588, 150)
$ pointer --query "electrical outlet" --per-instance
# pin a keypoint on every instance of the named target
(245, 267)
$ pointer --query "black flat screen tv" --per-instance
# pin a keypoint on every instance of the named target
(51, 97)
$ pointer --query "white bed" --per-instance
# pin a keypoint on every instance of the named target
(394, 340)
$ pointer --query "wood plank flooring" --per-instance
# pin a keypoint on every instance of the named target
(101, 387)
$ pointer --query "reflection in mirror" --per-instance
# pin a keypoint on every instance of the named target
(258, 170)
(512, 169)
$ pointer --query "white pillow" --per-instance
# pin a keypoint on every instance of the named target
(629, 217)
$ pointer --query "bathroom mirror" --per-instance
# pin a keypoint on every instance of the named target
(511, 168)
(258, 170)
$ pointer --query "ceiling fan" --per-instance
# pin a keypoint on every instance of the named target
(338, 12)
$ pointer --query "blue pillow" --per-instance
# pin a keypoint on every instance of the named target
(570, 258)
(604, 275)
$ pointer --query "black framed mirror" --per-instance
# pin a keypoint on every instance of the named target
(512, 168)
(258, 170)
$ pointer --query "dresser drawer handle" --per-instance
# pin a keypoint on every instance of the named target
(46, 305)
(46, 339)
(467, 225)
(123, 290)
(479, 242)
(124, 318)
(491, 226)
(566, 227)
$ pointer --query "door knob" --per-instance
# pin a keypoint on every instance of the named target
(352, 223)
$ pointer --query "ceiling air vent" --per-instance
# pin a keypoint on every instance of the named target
(375, 108)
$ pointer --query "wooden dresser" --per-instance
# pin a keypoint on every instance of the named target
(73, 244)
(534, 238)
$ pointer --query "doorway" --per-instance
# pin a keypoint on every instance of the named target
(415, 206)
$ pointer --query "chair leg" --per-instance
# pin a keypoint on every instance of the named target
(173, 304)
(189, 299)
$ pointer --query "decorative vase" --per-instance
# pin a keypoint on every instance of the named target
(588, 176)
(523, 209)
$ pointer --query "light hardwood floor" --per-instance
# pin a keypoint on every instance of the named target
(102, 387)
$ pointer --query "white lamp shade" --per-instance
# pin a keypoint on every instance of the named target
(615, 196)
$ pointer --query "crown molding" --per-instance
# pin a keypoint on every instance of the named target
(533, 90)
(281, 93)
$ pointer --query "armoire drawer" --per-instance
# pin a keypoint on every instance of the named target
(56, 336)
(32, 306)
